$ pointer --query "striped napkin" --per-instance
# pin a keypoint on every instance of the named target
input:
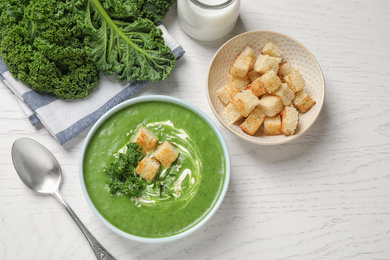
(65, 119)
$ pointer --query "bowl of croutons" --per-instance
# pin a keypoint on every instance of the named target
(265, 87)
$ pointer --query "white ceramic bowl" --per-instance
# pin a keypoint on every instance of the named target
(293, 52)
(182, 103)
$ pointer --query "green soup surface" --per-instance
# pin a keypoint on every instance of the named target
(200, 168)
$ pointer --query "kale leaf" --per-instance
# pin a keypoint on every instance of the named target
(131, 10)
(156, 10)
(129, 49)
(121, 172)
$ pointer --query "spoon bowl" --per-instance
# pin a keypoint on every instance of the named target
(40, 171)
(43, 177)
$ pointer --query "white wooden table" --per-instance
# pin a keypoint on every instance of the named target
(324, 196)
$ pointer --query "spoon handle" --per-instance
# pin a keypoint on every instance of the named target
(100, 252)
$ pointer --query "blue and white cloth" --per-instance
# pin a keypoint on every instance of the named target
(65, 119)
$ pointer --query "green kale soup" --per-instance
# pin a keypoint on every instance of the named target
(180, 196)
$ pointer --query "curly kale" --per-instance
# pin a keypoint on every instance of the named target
(60, 46)
(121, 172)
(43, 46)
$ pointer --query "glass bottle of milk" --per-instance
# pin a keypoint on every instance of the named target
(207, 20)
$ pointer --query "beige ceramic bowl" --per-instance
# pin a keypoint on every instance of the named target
(293, 52)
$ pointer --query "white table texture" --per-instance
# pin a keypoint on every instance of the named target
(323, 196)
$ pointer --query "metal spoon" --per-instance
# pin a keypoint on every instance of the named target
(40, 171)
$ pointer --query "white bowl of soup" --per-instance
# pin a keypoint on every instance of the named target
(182, 196)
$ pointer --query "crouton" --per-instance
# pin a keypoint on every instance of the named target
(284, 69)
(146, 139)
(271, 81)
(270, 105)
(148, 168)
(295, 81)
(265, 63)
(273, 125)
(248, 52)
(253, 122)
(166, 154)
(227, 92)
(253, 75)
(303, 101)
(271, 50)
(223, 95)
(257, 87)
(239, 82)
(245, 102)
(232, 114)
(289, 120)
(241, 65)
(285, 94)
